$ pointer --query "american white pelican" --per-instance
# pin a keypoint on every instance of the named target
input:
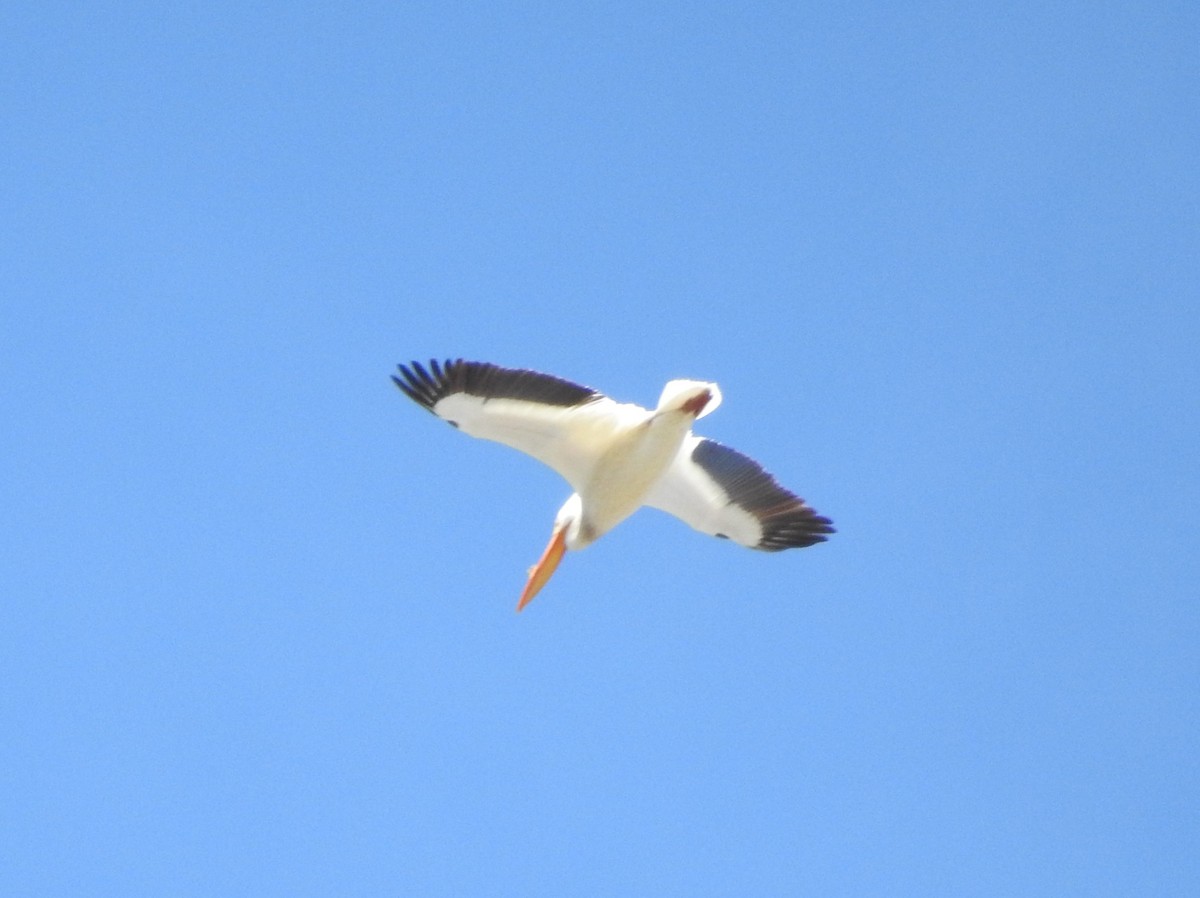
(617, 457)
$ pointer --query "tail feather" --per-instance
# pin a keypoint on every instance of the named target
(687, 395)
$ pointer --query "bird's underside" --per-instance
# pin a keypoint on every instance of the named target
(617, 456)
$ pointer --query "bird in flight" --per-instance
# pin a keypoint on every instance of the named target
(617, 457)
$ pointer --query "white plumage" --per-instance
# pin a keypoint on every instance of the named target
(617, 456)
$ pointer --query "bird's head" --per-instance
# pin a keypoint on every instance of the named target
(569, 533)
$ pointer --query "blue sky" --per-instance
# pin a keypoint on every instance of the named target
(259, 633)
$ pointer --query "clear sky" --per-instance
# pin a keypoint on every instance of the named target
(258, 634)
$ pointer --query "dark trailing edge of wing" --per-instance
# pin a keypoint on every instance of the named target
(427, 387)
(786, 521)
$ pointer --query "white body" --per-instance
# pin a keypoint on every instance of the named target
(617, 457)
(612, 454)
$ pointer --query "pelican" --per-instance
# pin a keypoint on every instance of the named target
(616, 456)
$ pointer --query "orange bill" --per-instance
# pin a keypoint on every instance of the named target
(541, 572)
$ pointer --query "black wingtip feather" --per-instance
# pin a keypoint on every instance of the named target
(428, 386)
(787, 522)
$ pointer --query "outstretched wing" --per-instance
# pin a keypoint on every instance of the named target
(719, 491)
(562, 424)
